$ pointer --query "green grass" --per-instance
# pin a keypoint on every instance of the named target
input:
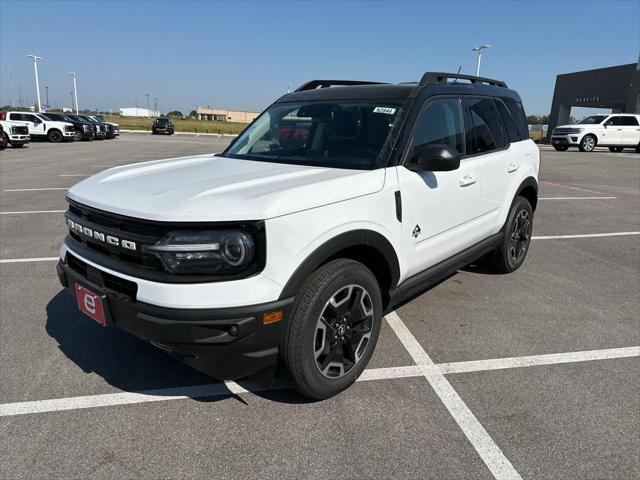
(180, 125)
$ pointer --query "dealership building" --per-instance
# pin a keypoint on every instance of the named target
(225, 115)
(617, 88)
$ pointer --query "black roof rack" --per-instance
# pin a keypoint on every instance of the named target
(313, 84)
(430, 78)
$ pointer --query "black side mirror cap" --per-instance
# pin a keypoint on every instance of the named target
(433, 158)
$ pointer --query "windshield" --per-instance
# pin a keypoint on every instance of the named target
(162, 120)
(592, 120)
(328, 134)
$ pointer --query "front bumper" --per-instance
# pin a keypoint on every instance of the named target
(565, 140)
(21, 139)
(226, 343)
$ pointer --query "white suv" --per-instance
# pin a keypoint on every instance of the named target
(337, 203)
(41, 127)
(616, 131)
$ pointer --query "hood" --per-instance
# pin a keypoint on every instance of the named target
(574, 125)
(211, 188)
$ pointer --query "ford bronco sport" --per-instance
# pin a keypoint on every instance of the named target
(340, 201)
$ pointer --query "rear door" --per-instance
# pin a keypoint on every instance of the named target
(438, 208)
(630, 131)
(488, 147)
(612, 132)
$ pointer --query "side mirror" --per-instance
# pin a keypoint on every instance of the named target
(433, 158)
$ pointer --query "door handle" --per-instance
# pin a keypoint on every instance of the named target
(512, 167)
(467, 180)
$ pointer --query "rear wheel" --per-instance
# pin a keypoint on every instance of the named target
(54, 136)
(561, 148)
(517, 237)
(616, 149)
(588, 143)
(332, 329)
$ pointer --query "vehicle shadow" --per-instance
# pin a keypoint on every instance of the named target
(133, 365)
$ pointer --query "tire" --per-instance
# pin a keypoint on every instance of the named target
(340, 298)
(517, 238)
(55, 136)
(77, 136)
(17, 145)
(561, 148)
(616, 149)
(588, 143)
(638, 148)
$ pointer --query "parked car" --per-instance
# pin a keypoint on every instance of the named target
(111, 131)
(116, 126)
(84, 130)
(101, 128)
(4, 141)
(41, 127)
(14, 134)
(616, 131)
(162, 126)
(334, 206)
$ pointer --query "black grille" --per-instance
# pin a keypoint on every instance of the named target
(103, 279)
(20, 130)
(137, 263)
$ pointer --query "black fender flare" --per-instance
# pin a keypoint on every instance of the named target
(329, 249)
(528, 183)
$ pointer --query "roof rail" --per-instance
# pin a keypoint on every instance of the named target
(430, 78)
(313, 84)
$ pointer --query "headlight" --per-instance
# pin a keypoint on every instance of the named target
(86, 128)
(68, 128)
(205, 252)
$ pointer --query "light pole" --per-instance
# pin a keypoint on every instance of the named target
(75, 89)
(155, 106)
(35, 69)
(72, 103)
(148, 105)
(46, 95)
(479, 50)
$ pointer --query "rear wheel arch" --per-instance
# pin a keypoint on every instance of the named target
(529, 190)
(368, 247)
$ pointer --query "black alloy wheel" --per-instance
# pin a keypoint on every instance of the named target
(343, 331)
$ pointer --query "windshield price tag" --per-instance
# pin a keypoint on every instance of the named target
(385, 110)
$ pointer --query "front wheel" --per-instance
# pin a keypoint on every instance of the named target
(77, 135)
(517, 237)
(54, 136)
(587, 144)
(332, 329)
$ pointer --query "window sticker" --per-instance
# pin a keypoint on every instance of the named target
(385, 110)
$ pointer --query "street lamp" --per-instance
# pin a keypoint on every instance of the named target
(479, 50)
(75, 89)
(35, 68)
(148, 105)
(155, 106)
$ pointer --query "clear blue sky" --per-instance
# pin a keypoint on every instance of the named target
(244, 54)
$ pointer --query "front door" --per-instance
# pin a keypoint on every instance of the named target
(438, 207)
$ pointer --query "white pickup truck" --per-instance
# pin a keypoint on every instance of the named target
(15, 134)
(40, 126)
(616, 131)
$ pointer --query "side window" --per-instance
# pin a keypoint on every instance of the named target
(630, 121)
(16, 116)
(615, 121)
(484, 133)
(30, 118)
(513, 132)
(440, 122)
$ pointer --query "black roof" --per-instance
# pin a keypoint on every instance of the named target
(436, 82)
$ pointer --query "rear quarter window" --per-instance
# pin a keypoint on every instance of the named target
(517, 113)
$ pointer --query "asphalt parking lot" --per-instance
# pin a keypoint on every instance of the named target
(528, 375)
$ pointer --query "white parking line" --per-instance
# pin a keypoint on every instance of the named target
(490, 453)
(76, 175)
(24, 212)
(35, 189)
(28, 260)
(371, 374)
(577, 198)
(586, 235)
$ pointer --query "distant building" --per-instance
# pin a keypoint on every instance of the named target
(138, 112)
(225, 115)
